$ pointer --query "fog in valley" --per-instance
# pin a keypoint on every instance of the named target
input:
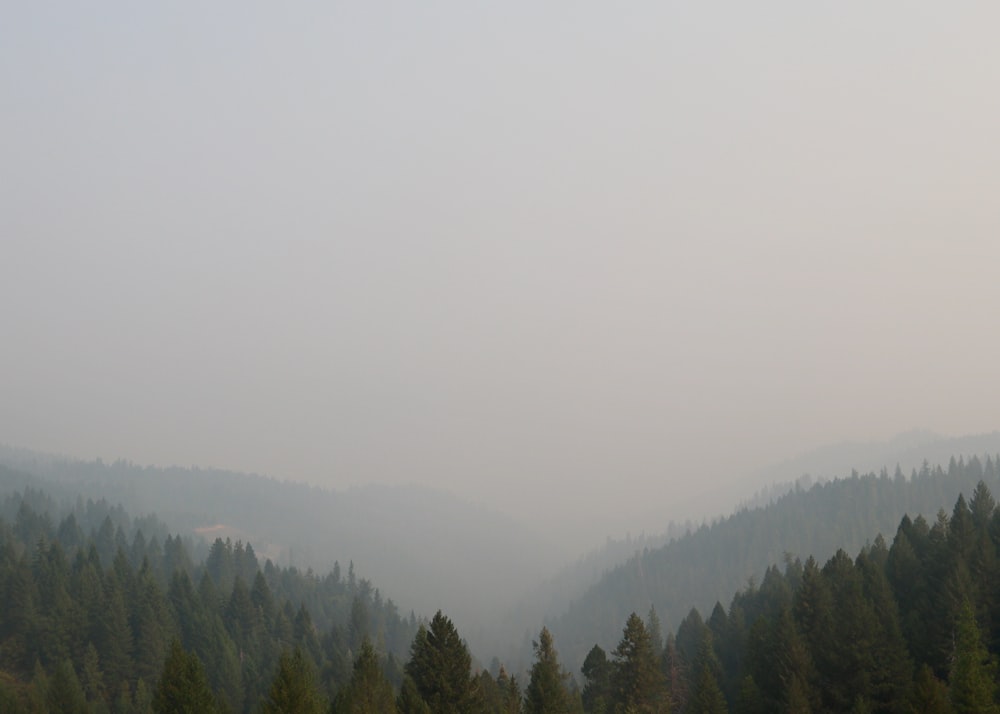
(504, 288)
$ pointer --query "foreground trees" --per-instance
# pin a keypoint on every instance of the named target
(183, 686)
(636, 676)
(440, 668)
(369, 691)
(546, 691)
(293, 688)
(911, 627)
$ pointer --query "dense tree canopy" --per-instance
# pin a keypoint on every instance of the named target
(440, 667)
(100, 616)
(547, 691)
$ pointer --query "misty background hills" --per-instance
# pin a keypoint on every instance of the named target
(499, 577)
(426, 548)
(709, 564)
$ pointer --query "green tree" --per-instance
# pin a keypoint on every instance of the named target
(706, 696)
(749, 700)
(973, 684)
(930, 694)
(409, 700)
(510, 693)
(596, 670)
(655, 631)
(183, 688)
(293, 688)
(369, 691)
(891, 674)
(637, 682)
(675, 672)
(151, 624)
(546, 692)
(486, 693)
(65, 695)
(114, 633)
(93, 678)
(10, 702)
(440, 667)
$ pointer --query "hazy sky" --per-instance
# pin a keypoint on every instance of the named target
(560, 257)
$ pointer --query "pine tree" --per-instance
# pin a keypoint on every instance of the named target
(637, 681)
(486, 693)
(114, 633)
(65, 695)
(891, 674)
(973, 683)
(10, 702)
(440, 667)
(930, 694)
(510, 693)
(706, 696)
(655, 631)
(597, 697)
(151, 623)
(293, 687)
(777, 656)
(93, 678)
(546, 692)
(675, 672)
(750, 700)
(369, 692)
(409, 700)
(183, 686)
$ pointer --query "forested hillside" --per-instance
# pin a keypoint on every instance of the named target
(403, 537)
(98, 618)
(717, 559)
(93, 599)
(911, 627)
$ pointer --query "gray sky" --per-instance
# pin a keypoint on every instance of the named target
(558, 257)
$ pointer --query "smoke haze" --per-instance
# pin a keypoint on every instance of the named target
(569, 261)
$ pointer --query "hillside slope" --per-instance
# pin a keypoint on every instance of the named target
(716, 560)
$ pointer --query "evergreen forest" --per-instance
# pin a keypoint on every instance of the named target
(109, 613)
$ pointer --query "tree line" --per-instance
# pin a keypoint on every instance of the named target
(909, 627)
(716, 559)
(99, 612)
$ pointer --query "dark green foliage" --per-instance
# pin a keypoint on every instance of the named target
(293, 688)
(637, 682)
(750, 700)
(65, 695)
(891, 673)
(113, 620)
(369, 691)
(717, 558)
(882, 633)
(92, 678)
(597, 693)
(485, 693)
(778, 656)
(183, 687)
(547, 691)
(973, 673)
(409, 700)
(440, 667)
(496, 696)
(706, 697)
(675, 673)
(510, 694)
(930, 694)
(11, 699)
(706, 694)
(655, 631)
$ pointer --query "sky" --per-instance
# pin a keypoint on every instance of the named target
(578, 261)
